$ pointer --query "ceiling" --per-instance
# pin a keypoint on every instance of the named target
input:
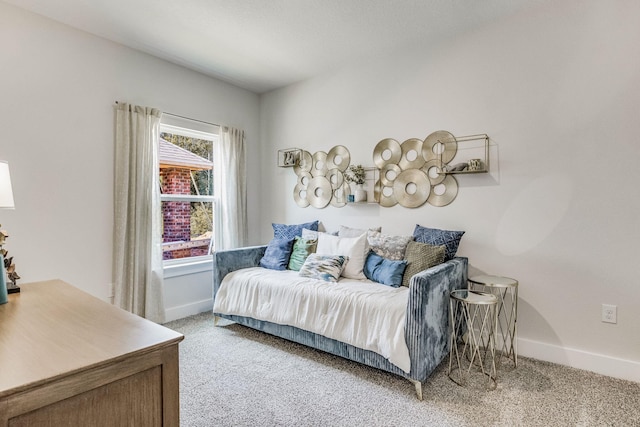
(262, 45)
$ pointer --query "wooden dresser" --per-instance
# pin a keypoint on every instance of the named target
(69, 359)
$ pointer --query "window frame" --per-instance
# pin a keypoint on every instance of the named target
(194, 264)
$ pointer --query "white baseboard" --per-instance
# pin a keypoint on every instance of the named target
(598, 363)
(175, 313)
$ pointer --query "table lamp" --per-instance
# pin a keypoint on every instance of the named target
(6, 202)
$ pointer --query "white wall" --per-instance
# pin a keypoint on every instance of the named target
(58, 86)
(558, 91)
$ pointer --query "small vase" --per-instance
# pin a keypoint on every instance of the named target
(360, 194)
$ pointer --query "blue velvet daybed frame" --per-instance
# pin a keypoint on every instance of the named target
(426, 330)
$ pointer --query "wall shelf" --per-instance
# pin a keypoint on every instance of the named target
(469, 147)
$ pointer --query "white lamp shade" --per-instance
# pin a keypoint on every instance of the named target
(6, 193)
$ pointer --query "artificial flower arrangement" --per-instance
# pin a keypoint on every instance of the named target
(355, 174)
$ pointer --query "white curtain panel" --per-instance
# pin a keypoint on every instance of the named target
(137, 240)
(230, 189)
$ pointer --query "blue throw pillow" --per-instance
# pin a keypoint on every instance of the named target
(385, 271)
(435, 237)
(276, 256)
(284, 231)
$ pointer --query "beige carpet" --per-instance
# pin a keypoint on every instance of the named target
(231, 375)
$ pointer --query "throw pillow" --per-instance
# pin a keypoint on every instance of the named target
(276, 256)
(419, 257)
(388, 246)
(323, 267)
(302, 248)
(313, 235)
(284, 231)
(385, 271)
(433, 236)
(355, 248)
(355, 232)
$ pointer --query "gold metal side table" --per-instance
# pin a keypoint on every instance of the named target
(473, 316)
(506, 290)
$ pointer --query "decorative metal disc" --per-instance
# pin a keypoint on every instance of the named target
(411, 145)
(449, 142)
(319, 192)
(451, 191)
(304, 178)
(319, 164)
(434, 163)
(340, 195)
(299, 197)
(342, 155)
(303, 164)
(389, 167)
(392, 146)
(421, 182)
(381, 198)
(335, 177)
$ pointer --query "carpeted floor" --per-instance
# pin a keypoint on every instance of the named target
(231, 375)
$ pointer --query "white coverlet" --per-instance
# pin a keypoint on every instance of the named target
(361, 313)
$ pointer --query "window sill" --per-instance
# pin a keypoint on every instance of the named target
(185, 266)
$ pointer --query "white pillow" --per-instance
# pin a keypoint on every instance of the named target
(356, 248)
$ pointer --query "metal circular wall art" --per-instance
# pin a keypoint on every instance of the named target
(387, 145)
(440, 140)
(319, 192)
(411, 145)
(384, 200)
(434, 163)
(335, 177)
(450, 192)
(338, 157)
(304, 164)
(340, 195)
(319, 167)
(389, 170)
(300, 195)
(412, 178)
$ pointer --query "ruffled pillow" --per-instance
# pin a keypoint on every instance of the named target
(323, 267)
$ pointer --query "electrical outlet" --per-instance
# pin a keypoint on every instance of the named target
(609, 313)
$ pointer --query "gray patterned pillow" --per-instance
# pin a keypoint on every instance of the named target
(419, 257)
(388, 246)
(323, 267)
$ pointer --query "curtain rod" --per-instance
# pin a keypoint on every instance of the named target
(188, 118)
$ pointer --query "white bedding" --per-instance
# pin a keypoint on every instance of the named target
(362, 313)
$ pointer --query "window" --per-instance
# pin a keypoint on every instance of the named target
(186, 181)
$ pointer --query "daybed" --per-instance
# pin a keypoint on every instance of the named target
(425, 319)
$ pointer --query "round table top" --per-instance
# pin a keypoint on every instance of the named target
(474, 297)
(494, 281)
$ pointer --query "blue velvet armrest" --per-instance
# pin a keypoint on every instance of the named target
(224, 262)
(427, 328)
